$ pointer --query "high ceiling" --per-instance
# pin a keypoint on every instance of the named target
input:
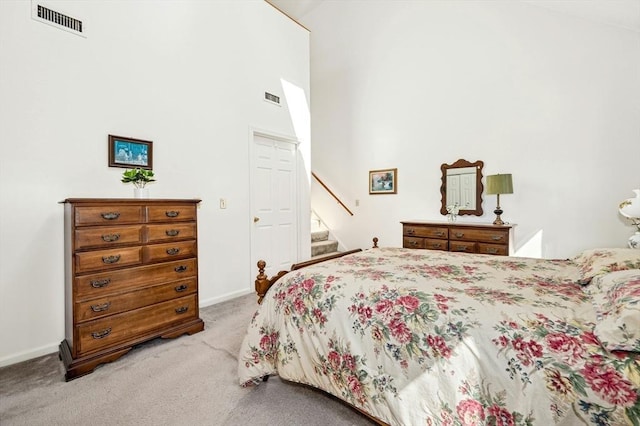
(621, 13)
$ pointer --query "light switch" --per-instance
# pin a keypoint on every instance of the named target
(223, 203)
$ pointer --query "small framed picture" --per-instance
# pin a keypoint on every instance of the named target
(383, 181)
(130, 153)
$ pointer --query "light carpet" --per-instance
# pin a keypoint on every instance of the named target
(191, 380)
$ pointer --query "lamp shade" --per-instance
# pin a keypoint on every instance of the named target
(499, 184)
(631, 207)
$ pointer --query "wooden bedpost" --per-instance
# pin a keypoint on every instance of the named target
(375, 242)
(262, 281)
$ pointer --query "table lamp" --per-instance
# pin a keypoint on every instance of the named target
(630, 208)
(499, 184)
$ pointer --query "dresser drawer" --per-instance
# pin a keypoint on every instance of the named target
(496, 249)
(162, 252)
(105, 332)
(110, 282)
(108, 259)
(433, 244)
(425, 231)
(105, 236)
(168, 213)
(463, 246)
(497, 236)
(115, 304)
(107, 215)
(412, 242)
(171, 231)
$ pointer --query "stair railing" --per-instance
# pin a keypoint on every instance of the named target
(331, 193)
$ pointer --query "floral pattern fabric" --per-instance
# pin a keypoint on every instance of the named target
(596, 262)
(616, 299)
(421, 337)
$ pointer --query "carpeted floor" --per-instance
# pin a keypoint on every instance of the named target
(190, 380)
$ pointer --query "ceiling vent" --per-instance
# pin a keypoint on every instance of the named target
(40, 12)
(271, 98)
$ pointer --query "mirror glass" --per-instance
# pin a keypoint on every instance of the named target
(462, 186)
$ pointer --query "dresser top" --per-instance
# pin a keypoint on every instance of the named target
(134, 201)
(458, 224)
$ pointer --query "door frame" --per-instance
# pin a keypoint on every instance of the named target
(253, 132)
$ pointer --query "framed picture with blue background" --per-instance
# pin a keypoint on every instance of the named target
(383, 181)
(130, 153)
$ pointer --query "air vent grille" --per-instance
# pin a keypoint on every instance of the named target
(57, 19)
(270, 97)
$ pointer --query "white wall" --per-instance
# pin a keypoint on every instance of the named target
(552, 99)
(188, 75)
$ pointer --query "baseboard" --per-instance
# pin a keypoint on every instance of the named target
(53, 348)
(30, 354)
(215, 300)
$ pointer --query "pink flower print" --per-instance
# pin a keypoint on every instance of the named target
(364, 313)
(307, 285)
(319, 315)
(400, 331)
(410, 303)
(384, 308)
(299, 306)
(349, 361)
(355, 386)
(470, 412)
(501, 341)
(589, 338)
(566, 345)
(438, 346)
(609, 385)
(335, 361)
(502, 416)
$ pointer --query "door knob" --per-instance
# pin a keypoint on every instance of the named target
(255, 219)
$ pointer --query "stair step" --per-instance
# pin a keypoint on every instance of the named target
(323, 247)
(319, 235)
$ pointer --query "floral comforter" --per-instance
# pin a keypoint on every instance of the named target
(420, 337)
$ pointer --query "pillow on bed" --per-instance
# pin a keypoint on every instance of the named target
(616, 298)
(601, 261)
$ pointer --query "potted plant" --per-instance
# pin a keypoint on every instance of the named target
(139, 178)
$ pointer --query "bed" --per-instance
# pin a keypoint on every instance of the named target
(422, 337)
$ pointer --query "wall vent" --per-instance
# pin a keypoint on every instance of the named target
(270, 97)
(46, 15)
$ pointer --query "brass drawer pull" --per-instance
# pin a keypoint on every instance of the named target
(172, 232)
(100, 283)
(101, 334)
(181, 288)
(410, 231)
(182, 309)
(110, 238)
(180, 268)
(440, 234)
(100, 308)
(110, 215)
(111, 259)
(462, 248)
(413, 243)
(492, 251)
(172, 213)
(173, 251)
(459, 234)
(437, 245)
(496, 237)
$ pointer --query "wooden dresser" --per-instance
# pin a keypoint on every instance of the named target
(131, 275)
(464, 237)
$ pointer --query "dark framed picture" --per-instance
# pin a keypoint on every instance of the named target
(130, 153)
(383, 181)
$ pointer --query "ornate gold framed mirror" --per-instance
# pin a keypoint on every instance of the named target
(462, 186)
